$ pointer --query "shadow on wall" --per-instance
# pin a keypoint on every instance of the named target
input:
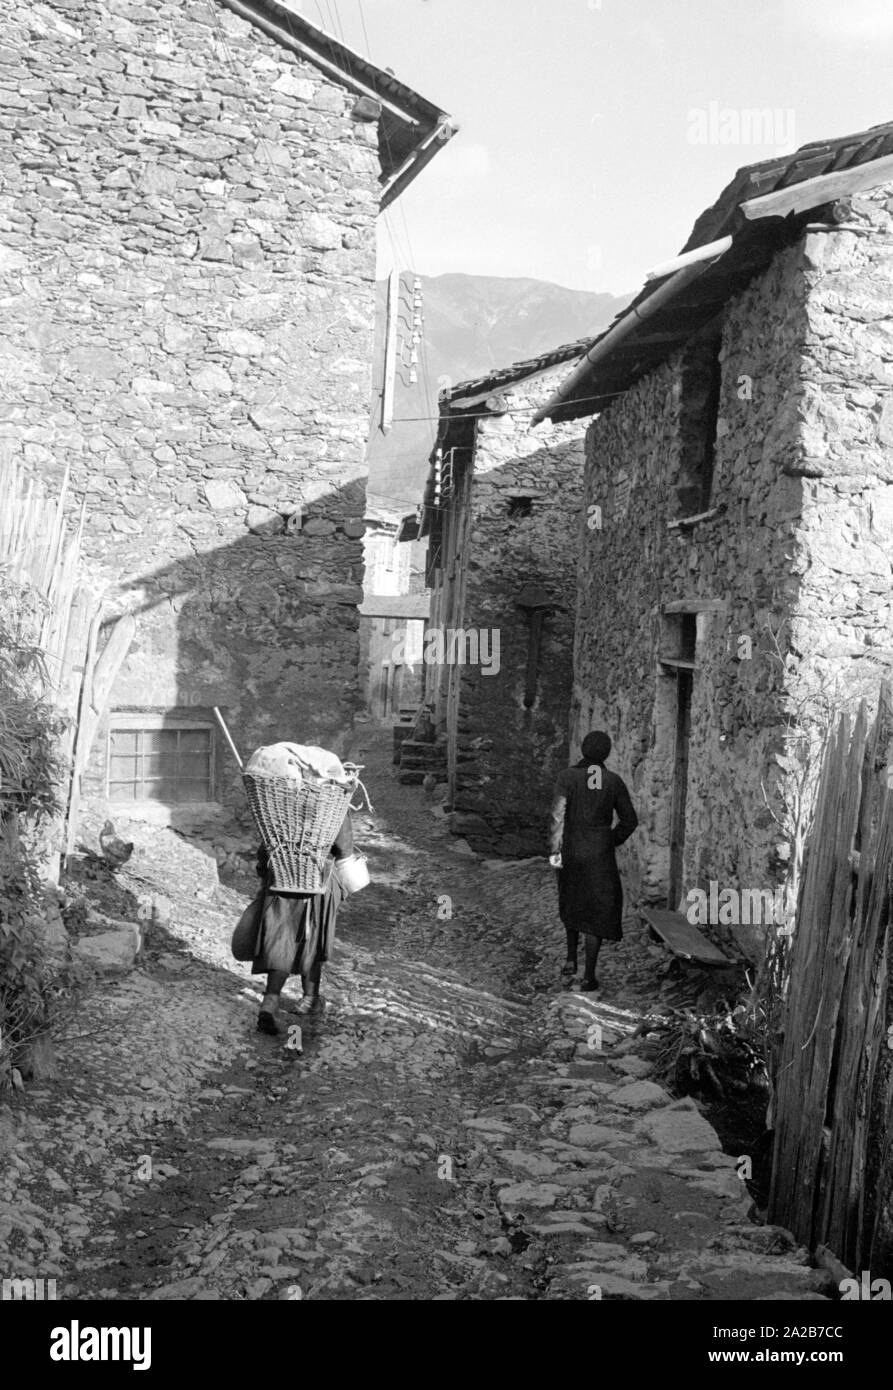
(265, 627)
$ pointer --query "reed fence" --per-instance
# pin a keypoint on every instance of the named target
(40, 552)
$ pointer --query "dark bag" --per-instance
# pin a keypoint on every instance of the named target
(244, 942)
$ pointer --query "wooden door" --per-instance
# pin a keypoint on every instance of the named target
(680, 786)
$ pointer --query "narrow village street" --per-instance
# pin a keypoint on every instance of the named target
(459, 1125)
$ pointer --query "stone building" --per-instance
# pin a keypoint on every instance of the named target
(739, 581)
(501, 515)
(187, 258)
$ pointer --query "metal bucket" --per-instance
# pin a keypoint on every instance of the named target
(353, 872)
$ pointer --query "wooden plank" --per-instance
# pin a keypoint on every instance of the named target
(800, 170)
(798, 1126)
(811, 193)
(833, 1035)
(851, 1190)
(683, 937)
(832, 974)
(695, 518)
(842, 1200)
(684, 680)
(695, 605)
(878, 1235)
(99, 681)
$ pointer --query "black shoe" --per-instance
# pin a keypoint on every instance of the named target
(266, 1023)
(311, 1003)
(588, 986)
(569, 967)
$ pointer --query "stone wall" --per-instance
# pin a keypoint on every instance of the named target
(509, 755)
(842, 633)
(792, 584)
(187, 239)
(745, 559)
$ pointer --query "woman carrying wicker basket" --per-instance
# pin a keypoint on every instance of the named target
(300, 798)
(297, 932)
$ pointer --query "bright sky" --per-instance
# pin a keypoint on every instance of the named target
(577, 159)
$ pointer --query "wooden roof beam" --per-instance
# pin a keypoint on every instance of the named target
(813, 193)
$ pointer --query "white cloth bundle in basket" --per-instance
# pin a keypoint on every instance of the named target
(297, 761)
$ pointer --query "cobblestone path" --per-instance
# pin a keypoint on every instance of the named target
(458, 1125)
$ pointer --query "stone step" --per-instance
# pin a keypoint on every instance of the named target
(415, 776)
(399, 739)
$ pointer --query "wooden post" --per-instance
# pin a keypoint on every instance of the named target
(99, 679)
(390, 353)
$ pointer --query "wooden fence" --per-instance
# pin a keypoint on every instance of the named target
(832, 1177)
(38, 550)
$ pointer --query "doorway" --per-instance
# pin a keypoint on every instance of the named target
(678, 662)
(684, 680)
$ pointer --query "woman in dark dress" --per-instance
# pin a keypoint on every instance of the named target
(582, 843)
(297, 933)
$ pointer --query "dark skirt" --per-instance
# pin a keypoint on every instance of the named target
(590, 894)
(297, 930)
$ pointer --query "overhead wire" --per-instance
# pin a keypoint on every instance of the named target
(326, 20)
(335, 19)
(365, 30)
(509, 410)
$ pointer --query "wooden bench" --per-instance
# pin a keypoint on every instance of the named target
(683, 938)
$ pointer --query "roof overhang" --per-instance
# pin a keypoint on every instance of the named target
(408, 530)
(411, 128)
(739, 236)
(464, 404)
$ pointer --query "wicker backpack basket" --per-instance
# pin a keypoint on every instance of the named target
(298, 823)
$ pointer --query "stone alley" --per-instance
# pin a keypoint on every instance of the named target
(446, 677)
(459, 1124)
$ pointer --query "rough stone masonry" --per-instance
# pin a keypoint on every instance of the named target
(517, 523)
(187, 239)
(794, 555)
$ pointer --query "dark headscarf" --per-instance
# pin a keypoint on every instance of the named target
(596, 746)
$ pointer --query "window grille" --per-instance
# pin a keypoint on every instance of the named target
(173, 764)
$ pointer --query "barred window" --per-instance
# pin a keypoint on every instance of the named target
(171, 763)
